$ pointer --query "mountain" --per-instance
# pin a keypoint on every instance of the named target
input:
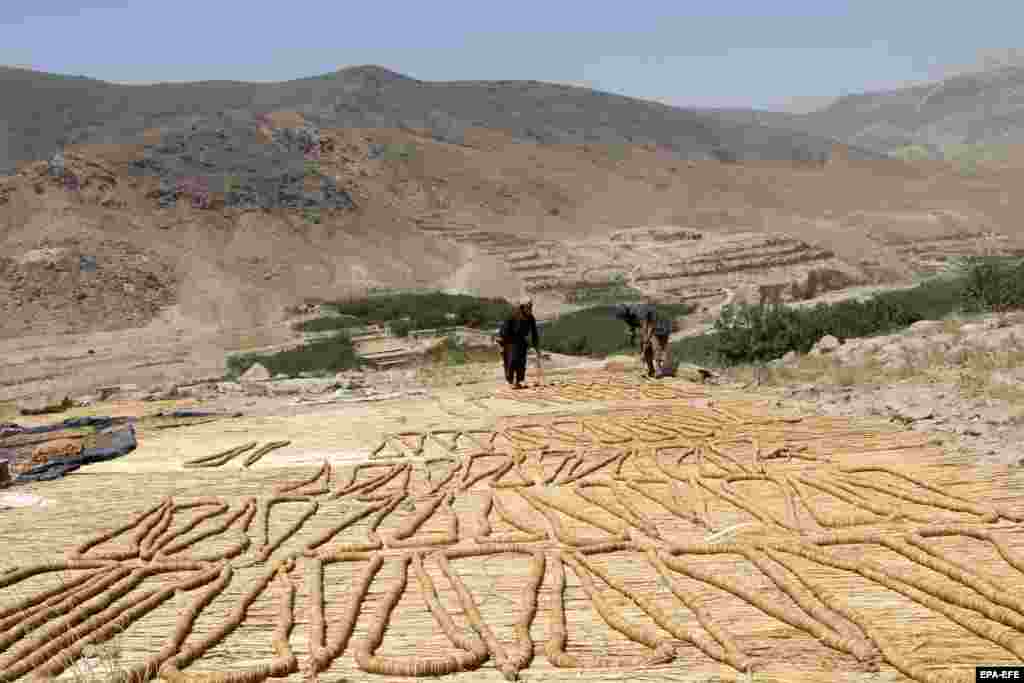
(983, 107)
(44, 111)
(176, 208)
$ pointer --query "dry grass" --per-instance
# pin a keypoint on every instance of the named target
(722, 484)
(101, 663)
(8, 411)
(972, 372)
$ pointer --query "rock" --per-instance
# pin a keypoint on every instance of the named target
(105, 393)
(997, 340)
(943, 340)
(304, 385)
(975, 429)
(694, 373)
(927, 327)
(978, 327)
(256, 389)
(256, 373)
(910, 413)
(826, 344)
(896, 363)
(916, 345)
(163, 392)
(996, 415)
(45, 405)
(1012, 376)
(230, 388)
(789, 357)
(621, 363)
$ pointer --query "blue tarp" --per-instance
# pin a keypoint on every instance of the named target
(123, 442)
(70, 423)
(196, 413)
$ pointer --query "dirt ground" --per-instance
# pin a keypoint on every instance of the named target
(950, 600)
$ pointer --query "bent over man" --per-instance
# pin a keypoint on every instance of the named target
(515, 336)
(654, 334)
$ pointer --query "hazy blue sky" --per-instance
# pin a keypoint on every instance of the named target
(721, 53)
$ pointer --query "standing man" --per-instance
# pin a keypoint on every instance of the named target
(654, 334)
(515, 336)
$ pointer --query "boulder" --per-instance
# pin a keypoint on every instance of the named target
(694, 373)
(980, 327)
(229, 388)
(927, 327)
(621, 363)
(997, 415)
(789, 357)
(45, 405)
(256, 373)
(912, 412)
(826, 344)
(1003, 339)
(105, 393)
(256, 389)
(163, 392)
(304, 385)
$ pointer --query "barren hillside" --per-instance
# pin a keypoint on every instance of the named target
(197, 230)
(492, 215)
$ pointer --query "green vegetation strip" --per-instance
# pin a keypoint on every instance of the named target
(757, 333)
(326, 355)
(596, 332)
(407, 311)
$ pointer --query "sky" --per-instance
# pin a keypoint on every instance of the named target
(783, 54)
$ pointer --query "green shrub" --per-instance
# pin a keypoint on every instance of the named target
(757, 333)
(455, 351)
(311, 215)
(700, 349)
(328, 355)
(398, 151)
(612, 291)
(327, 323)
(992, 284)
(595, 331)
(401, 328)
(426, 310)
(912, 153)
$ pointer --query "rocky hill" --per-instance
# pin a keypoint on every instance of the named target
(45, 110)
(215, 217)
(977, 108)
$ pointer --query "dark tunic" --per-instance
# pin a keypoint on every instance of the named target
(634, 316)
(516, 334)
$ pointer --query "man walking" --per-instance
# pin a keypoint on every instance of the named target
(654, 334)
(515, 336)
